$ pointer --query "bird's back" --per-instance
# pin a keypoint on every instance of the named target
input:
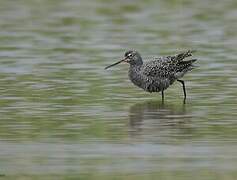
(161, 72)
(168, 66)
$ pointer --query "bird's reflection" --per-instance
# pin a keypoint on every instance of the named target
(153, 115)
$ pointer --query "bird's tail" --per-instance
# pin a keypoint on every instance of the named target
(186, 64)
(183, 67)
(180, 57)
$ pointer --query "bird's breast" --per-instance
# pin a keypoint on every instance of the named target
(148, 83)
(139, 79)
(135, 76)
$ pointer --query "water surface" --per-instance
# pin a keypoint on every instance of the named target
(62, 116)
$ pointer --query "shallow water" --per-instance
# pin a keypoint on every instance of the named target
(64, 117)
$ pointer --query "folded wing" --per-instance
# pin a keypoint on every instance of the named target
(171, 67)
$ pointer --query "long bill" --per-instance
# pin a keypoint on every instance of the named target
(115, 63)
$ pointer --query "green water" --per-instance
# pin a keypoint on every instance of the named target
(62, 116)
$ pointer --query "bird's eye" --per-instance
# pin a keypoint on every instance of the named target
(130, 55)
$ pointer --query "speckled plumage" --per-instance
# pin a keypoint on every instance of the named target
(158, 74)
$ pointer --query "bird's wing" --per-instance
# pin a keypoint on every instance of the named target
(157, 68)
(167, 66)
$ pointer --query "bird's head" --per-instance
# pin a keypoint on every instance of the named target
(132, 57)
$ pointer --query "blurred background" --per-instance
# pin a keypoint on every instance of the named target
(62, 116)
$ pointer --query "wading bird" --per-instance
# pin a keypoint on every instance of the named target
(158, 74)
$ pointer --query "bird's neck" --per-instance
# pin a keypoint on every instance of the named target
(135, 67)
(134, 70)
(134, 74)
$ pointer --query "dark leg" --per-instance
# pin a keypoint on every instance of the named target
(182, 82)
(162, 92)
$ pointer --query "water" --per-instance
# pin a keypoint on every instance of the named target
(64, 117)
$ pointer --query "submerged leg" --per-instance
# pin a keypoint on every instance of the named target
(162, 93)
(184, 91)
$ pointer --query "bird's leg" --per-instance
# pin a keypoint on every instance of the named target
(182, 82)
(162, 93)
